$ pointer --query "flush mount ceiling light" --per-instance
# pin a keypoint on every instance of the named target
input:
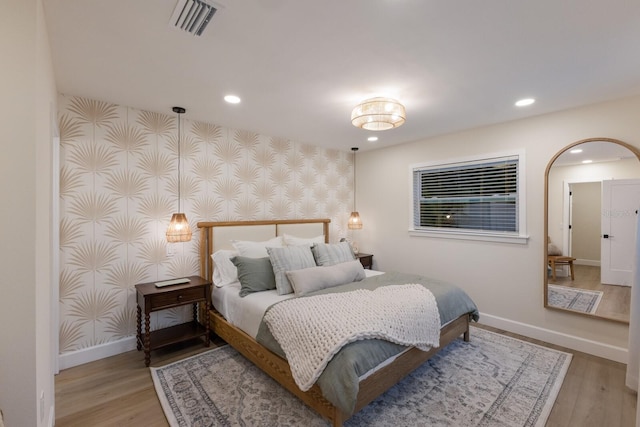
(179, 229)
(378, 114)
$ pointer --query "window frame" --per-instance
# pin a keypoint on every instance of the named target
(518, 237)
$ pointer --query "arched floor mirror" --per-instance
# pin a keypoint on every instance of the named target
(592, 199)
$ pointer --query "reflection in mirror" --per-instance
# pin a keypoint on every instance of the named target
(591, 202)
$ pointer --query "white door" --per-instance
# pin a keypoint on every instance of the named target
(620, 204)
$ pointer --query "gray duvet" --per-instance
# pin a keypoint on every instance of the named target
(339, 381)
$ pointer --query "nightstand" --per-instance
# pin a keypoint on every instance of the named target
(151, 298)
(366, 260)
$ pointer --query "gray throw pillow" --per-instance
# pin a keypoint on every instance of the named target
(331, 254)
(254, 274)
(287, 259)
(317, 278)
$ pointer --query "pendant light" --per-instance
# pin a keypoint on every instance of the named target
(179, 230)
(355, 223)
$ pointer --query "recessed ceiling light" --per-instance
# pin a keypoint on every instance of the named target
(576, 151)
(587, 161)
(525, 102)
(372, 139)
(232, 99)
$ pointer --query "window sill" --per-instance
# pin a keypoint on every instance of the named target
(465, 235)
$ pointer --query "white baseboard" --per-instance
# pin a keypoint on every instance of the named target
(606, 351)
(86, 355)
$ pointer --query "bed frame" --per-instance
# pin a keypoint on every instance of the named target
(212, 234)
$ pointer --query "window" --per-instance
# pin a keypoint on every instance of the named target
(479, 197)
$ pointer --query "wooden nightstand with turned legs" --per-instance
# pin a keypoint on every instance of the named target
(151, 297)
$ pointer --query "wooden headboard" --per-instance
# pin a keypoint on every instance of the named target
(218, 235)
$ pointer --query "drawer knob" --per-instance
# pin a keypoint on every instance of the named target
(179, 297)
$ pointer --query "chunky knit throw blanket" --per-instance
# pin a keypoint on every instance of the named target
(311, 330)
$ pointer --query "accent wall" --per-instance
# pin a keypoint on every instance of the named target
(119, 187)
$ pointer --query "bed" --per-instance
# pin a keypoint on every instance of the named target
(241, 330)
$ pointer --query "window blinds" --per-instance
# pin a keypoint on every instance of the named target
(479, 196)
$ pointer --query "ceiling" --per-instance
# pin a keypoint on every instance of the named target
(593, 152)
(300, 66)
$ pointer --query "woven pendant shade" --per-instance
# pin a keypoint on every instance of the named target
(355, 223)
(179, 229)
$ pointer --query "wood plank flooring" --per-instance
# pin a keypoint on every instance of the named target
(118, 391)
(615, 303)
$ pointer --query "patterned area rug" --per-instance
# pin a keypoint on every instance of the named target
(574, 298)
(493, 380)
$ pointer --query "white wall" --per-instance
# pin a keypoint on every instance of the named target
(505, 280)
(585, 222)
(28, 96)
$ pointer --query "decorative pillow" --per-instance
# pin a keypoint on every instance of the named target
(256, 249)
(255, 274)
(553, 250)
(287, 259)
(224, 272)
(317, 278)
(290, 240)
(327, 254)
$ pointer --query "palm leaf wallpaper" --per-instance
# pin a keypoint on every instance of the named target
(118, 179)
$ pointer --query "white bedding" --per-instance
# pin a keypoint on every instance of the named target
(246, 313)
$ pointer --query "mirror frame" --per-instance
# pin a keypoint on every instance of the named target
(631, 148)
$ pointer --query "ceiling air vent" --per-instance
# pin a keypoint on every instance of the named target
(192, 16)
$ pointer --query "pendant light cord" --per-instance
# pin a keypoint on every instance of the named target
(179, 111)
(179, 180)
(354, 149)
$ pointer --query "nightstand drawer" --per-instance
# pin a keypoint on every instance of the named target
(177, 297)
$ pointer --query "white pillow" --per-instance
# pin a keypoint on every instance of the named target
(317, 278)
(256, 249)
(290, 240)
(224, 272)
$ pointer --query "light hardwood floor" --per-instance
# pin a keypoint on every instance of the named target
(615, 299)
(118, 391)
